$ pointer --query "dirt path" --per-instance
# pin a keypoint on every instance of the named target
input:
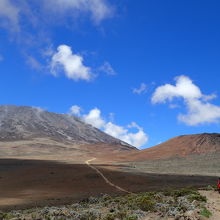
(213, 203)
(105, 178)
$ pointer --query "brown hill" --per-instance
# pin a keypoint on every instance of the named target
(178, 147)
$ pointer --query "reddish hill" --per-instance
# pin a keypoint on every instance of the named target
(180, 146)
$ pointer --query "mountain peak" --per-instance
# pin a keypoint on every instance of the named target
(26, 123)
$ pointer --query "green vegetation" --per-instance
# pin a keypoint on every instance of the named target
(181, 192)
(5, 216)
(211, 188)
(205, 212)
(197, 197)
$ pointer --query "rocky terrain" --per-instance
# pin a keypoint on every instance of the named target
(33, 133)
(27, 123)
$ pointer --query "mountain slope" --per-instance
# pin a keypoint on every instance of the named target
(187, 155)
(36, 127)
(181, 146)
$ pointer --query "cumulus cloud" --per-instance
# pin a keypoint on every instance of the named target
(141, 90)
(199, 110)
(9, 15)
(75, 110)
(107, 68)
(136, 139)
(94, 118)
(184, 88)
(71, 64)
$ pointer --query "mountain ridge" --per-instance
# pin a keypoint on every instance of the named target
(27, 123)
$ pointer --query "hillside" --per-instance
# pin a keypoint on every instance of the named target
(187, 155)
(29, 132)
(180, 147)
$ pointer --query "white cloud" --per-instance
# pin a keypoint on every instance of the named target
(184, 88)
(12, 12)
(107, 68)
(98, 9)
(141, 90)
(94, 118)
(9, 14)
(70, 63)
(209, 97)
(199, 110)
(75, 110)
(137, 139)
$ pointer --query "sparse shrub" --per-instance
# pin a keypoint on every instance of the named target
(145, 203)
(184, 192)
(109, 216)
(122, 215)
(106, 197)
(197, 197)
(205, 212)
(2, 215)
(126, 207)
(131, 217)
(211, 188)
(48, 217)
(5, 216)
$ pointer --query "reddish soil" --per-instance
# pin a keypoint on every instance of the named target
(29, 183)
(181, 146)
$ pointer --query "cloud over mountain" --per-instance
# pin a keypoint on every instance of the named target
(137, 139)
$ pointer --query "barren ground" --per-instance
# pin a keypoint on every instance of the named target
(31, 183)
(213, 203)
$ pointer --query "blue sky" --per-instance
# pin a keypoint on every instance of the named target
(143, 71)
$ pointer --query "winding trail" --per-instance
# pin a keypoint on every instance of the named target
(103, 176)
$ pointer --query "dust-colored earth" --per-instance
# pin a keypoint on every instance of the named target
(213, 203)
(31, 183)
(104, 177)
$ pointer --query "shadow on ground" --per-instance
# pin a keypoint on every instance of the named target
(31, 183)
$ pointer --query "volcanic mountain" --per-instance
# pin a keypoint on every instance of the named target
(33, 131)
(181, 146)
(197, 154)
